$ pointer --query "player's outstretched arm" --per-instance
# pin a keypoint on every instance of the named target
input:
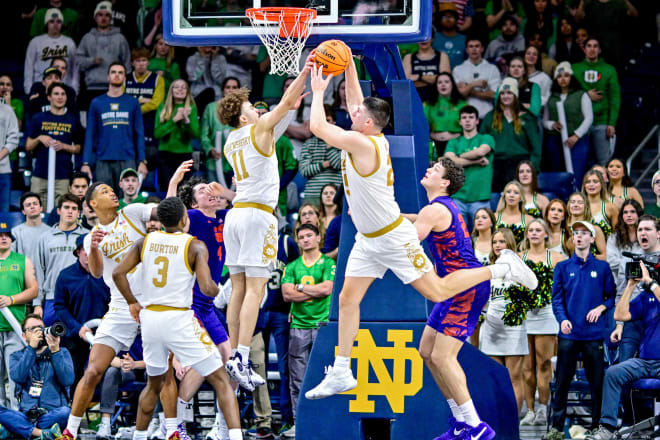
(198, 257)
(177, 177)
(354, 96)
(434, 216)
(131, 259)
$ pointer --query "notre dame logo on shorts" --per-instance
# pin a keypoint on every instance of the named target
(390, 382)
(416, 256)
(269, 251)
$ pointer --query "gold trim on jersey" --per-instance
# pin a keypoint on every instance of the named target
(416, 256)
(313, 263)
(160, 308)
(261, 206)
(144, 246)
(185, 255)
(385, 230)
(269, 251)
(131, 224)
(377, 155)
(256, 147)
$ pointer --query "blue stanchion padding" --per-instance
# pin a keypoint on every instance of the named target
(396, 387)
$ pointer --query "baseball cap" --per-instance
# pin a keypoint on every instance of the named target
(562, 67)
(587, 225)
(447, 7)
(79, 243)
(511, 85)
(53, 14)
(103, 6)
(54, 70)
(128, 172)
(4, 228)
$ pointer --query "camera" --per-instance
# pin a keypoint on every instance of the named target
(633, 269)
(56, 330)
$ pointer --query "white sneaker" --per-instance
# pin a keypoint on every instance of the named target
(289, 433)
(528, 420)
(103, 432)
(243, 374)
(335, 381)
(519, 272)
(153, 432)
(541, 418)
(213, 433)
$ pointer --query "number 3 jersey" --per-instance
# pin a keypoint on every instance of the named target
(257, 176)
(167, 278)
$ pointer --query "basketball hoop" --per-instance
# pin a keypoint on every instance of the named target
(284, 32)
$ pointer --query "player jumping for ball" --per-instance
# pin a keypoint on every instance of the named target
(385, 240)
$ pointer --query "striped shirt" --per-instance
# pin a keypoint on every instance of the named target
(312, 155)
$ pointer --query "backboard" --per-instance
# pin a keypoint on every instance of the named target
(223, 22)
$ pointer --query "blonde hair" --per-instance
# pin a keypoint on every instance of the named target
(509, 239)
(526, 244)
(603, 188)
(230, 107)
(168, 106)
(521, 190)
(587, 208)
(170, 53)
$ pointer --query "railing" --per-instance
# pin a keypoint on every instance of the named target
(654, 164)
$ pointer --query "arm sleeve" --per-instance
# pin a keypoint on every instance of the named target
(219, 68)
(63, 366)
(193, 127)
(39, 268)
(162, 129)
(138, 133)
(494, 78)
(636, 308)
(157, 98)
(90, 135)
(547, 123)
(29, 67)
(281, 126)
(138, 214)
(534, 139)
(614, 98)
(587, 113)
(288, 277)
(308, 168)
(20, 364)
(334, 156)
(609, 291)
(329, 269)
(614, 257)
(83, 57)
(535, 100)
(11, 141)
(195, 67)
(61, 300)
(207, 136)
(558, 296)
(331, 241)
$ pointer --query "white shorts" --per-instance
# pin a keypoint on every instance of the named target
(398, 250)
(179, 332)
(117, 330)
(250, 237)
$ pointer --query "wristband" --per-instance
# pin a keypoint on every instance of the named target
(653, 286)
(11, 298)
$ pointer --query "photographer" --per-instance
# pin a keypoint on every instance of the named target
(42, 372)
(630, 334)
(645, 308)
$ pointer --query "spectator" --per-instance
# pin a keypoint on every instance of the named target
(540, 20)
(309, 213)
(17, 288)
(579, 210)
(464, 12)
(515, 132)
(542, 326)
(605, 18)
(556, 217)
(577, 116)
(343, 119)
(6, 89)
(115, 133)
(333, 231)
(505, 344)
(623, 239)
(213, 136)
(654, 208)
(39, 101)
(130, 187)
(529, 93)
(578, 301)
(78, 184)
(59, 130)
(43, 373)
(512, 214)
(99, 50)
(476, 78)
(329, 208)
(149, 89)
(600, 81)
(548, 65)
(162, 61)
(320, 163)
(474, 152)
(442, 113)
(509, 42)
(603, 211)
(447, 38)
(307, 284)
(620, 187)
(423, 66)
(536, 202)
(566, 47)
(482, 235)
(497, 10)
(70, 19)
(28, 234)
(55, 253)
(8, 143)
(206, 69)
(240, 62)
(44, 48)
(79, 298)
(581, 37)
(124, 368)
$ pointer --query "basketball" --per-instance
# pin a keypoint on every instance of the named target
(333, 55)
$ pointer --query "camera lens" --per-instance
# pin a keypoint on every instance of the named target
(57, 329)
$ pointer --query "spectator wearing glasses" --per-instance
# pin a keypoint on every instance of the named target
(654, 208)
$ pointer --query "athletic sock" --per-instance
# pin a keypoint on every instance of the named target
(244, 351)
(470, 413)
(223, 429)
(73, 424)
(139, 435)
(342, 363)
(235, 434)
(183, 409)
(498, 270)
(453, 406)
(105, 420)
(171, 425)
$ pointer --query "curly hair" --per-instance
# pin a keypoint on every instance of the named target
(454, 174)
(187, 191)
(621, 231)
(171, 211)
(229, 108)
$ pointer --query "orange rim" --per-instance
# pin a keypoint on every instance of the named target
(287, 17)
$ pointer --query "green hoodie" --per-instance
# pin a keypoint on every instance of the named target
(176, 137)
(600, 76)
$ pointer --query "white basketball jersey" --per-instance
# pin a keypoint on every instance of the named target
(121, 234)
(257, 177)
(167, 276)
(371, 197)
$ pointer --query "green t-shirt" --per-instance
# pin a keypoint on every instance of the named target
(169, 74)
(176, 137)
(139, 199)
(286, 161)
(653, 209)
(12, 282)
(478, 179)
(443, 115)
(309, 313)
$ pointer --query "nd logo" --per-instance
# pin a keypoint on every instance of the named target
(393, 386)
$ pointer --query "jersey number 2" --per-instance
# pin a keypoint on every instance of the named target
(239, 165)
(161, 280)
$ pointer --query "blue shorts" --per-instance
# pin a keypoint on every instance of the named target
(458, 316)
(209, 319)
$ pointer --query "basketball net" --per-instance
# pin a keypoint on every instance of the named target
(284, 32)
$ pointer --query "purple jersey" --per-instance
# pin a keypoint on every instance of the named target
(209, 231)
